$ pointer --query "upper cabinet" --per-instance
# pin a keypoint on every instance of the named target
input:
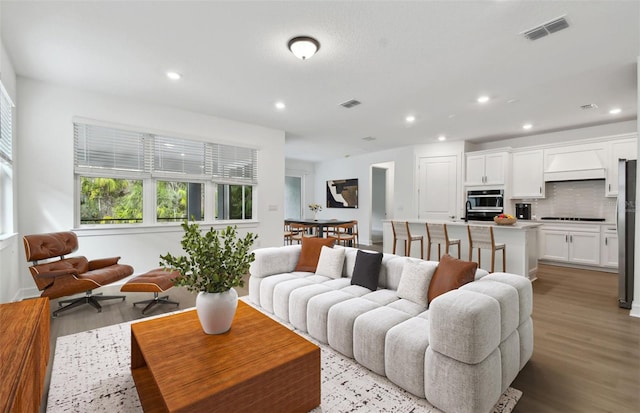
(527, 174)
(618, 149)
(486, 169)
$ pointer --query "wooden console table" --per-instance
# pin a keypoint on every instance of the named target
(257, 366)
(24, 354)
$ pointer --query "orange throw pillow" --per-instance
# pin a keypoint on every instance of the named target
(310, 253)
(451, 274)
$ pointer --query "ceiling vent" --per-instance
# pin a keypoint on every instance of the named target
(544, 29)
(350, 103)
(368, 138)
(589, 106)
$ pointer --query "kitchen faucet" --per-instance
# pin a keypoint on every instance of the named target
(467, 207)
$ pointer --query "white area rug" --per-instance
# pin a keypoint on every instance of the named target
(91, 373)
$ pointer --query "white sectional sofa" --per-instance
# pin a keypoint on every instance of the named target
(460, 353)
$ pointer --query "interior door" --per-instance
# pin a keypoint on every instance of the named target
(438, 187)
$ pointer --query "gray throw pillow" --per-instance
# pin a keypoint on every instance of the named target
(367, 270)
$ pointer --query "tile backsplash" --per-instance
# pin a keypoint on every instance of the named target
(583, 199)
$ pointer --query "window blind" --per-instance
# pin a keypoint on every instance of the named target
(99, 148)
(6, 128)
(234, 164)
(182, 158)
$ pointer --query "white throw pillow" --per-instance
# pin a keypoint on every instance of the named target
(330, 262)
(414, 281)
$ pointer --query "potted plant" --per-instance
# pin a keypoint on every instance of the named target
(215, 263)
(315, 208)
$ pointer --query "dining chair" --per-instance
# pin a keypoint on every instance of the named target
(299, 231)
(401, 232)
(481, 237)
(287, 233)
(346, 233)
(438, 234)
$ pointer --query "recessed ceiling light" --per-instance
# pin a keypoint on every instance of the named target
(174, 75)
(442, 138)
(280, 105)
(410, 118)
(615, 111)
(527, 126)
(483, 99)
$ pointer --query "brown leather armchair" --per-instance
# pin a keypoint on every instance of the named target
(68, 276)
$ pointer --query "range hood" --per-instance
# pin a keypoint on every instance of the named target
(576, 165)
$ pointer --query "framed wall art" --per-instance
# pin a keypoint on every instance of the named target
(342, 193)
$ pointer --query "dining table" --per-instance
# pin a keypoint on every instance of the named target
(320, 224)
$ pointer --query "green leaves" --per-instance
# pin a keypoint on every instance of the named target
(216, 260)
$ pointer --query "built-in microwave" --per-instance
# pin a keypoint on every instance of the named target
(484, 204)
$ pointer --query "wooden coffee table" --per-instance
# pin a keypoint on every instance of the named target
(257, 366)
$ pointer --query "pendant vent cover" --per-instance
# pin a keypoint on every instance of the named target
(547, 28)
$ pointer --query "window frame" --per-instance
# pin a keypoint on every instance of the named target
(150, 179)
(7, 185)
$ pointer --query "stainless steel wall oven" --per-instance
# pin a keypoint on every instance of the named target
(484, 204)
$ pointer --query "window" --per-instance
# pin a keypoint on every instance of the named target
(234, 202)
(110, 201)
(6, 162)
(123, 174)
(177, 201)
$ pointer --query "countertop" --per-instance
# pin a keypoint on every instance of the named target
(519, 225)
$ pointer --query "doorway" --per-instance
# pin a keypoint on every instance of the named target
(293, 197)
(381, 199)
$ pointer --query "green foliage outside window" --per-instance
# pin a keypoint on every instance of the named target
(110, 201)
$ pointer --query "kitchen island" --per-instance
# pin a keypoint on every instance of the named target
(521, 240)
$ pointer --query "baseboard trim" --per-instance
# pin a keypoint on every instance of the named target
(635, 310)
(24, 293)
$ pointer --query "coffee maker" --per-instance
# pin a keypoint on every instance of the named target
(523, 211)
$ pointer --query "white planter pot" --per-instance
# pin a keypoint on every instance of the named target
(216, 310)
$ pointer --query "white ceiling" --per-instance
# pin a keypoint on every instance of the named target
(431, 59)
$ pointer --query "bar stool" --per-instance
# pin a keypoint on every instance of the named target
(481, 237)
(437, 234)
(401, 232)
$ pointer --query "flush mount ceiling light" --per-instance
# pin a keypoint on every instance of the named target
(410, 119)
(174, 75)
(527, 126)
(615, 111)
(483, 99)
(442, 138)
(280, 105)
(303, 47)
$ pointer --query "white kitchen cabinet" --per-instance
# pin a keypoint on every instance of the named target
(438, 187)
(572, 244)
(527, 174)
(486, 169)
(618, 149)
(609, 247)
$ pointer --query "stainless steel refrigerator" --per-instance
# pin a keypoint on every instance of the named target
(626, 230)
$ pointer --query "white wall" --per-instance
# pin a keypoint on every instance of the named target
(359, 167)
(10, 278)
(635, 305)
(46, 179)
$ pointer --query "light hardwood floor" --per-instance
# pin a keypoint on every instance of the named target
(586, 350)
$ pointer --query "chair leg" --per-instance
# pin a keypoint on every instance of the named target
(493, 259)
(439, 252)
(89, 298)
(156, 300)
(470, 252)
(407, 250)
(428, 250)
(458, 250)
(395, 241)
(422, 248)
(504, 259)
(479, 258)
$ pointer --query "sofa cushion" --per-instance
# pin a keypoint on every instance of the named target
(451, 273)
(310, 253)
(366, 270)
(330, 262)
(415, 279)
